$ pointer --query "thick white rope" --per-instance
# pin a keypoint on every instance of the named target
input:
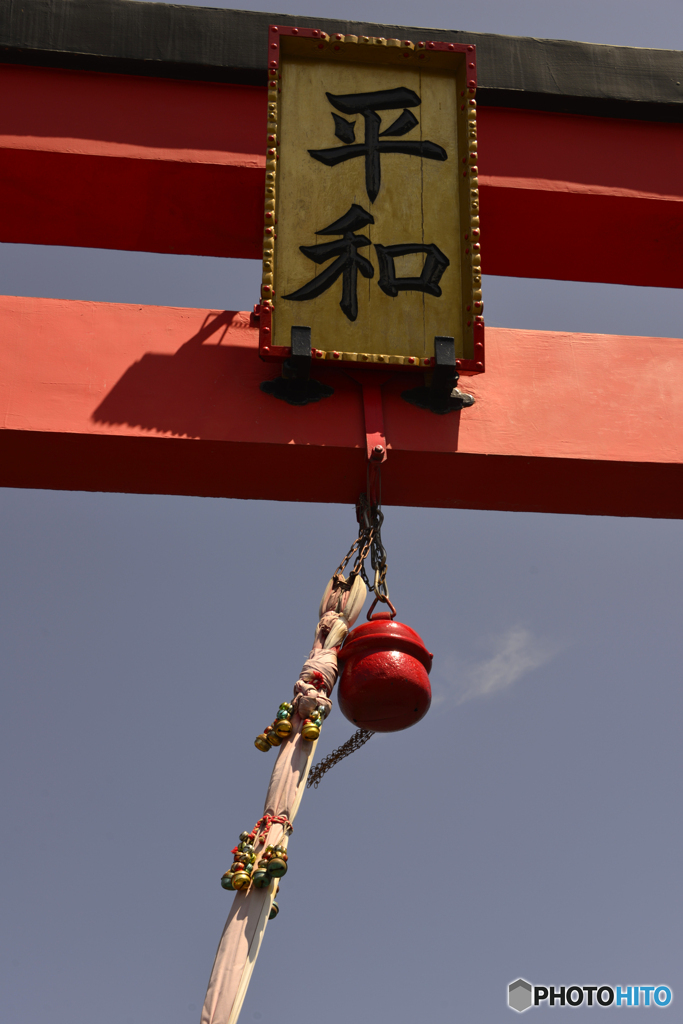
(244, 930)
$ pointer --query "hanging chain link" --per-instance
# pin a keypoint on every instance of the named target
(368, 542)
(356, 741)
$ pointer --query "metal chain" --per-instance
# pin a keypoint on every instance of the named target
(378, 557)
(368, 542)
(356, 741)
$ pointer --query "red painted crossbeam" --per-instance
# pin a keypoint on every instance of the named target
(98, 396)
(120, 162)
(116, 161)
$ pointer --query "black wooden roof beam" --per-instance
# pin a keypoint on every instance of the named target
(218, 45)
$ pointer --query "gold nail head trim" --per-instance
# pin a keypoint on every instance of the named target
(334, 355)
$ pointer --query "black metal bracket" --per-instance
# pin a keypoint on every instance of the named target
(295, 385)
(442, 395)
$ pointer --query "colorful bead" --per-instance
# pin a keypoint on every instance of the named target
(226, 881)
(240, 880)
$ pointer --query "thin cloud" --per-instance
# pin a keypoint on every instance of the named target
(516, 652)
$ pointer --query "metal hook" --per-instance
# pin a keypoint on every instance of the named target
(378, 615)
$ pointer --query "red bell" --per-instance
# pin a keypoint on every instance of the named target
(384, 683)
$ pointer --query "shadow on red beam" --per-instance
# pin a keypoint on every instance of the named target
(99, 396)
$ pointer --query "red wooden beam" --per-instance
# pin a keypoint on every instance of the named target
(117, 161)
(121, 162)
(162, 400)
(581, 198)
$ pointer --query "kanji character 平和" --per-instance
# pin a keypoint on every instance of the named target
(428, 281)
(367, 104)
(348, 261)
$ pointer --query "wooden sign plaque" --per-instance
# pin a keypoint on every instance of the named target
(371, 220)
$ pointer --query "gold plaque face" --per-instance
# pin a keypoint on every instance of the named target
(371, 213)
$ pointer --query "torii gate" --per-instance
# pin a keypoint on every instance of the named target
(580, 150)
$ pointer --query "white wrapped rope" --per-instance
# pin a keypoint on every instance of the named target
(244, 930)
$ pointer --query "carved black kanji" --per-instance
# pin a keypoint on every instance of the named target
(367, 104)
(348, 261)
(428, 281)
